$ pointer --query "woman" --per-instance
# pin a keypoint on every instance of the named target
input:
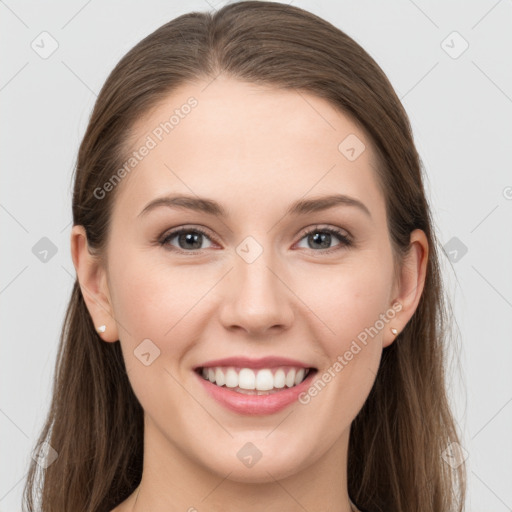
(258, 317)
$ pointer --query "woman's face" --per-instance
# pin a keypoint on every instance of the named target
(265, 280)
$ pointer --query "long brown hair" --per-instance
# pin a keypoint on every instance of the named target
(95, 422)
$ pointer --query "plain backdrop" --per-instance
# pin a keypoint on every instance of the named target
(449, 63)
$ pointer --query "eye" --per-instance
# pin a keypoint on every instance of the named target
(191, 239)
(187, 238)
(322, 237)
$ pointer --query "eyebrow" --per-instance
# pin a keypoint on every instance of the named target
(211, 207)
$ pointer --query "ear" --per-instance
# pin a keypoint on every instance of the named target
(411, 283)
(92, 277)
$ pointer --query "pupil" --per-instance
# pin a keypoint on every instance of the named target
(322, 238)
(190, 238)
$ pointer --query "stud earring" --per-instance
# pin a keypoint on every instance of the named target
(394, 331)
(101, 328)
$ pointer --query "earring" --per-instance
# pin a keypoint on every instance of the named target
(101, 328)
(394, 331)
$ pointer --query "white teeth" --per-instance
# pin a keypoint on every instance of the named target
(264, 380)
(279, 379)
(290, 378)
(247, 379)
(231, 378)
(220, 380)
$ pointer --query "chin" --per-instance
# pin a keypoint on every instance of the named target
(265, 470)
(263, 474)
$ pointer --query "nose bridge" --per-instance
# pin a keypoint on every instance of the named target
(259, 299)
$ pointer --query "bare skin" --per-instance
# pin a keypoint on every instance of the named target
(255, 151)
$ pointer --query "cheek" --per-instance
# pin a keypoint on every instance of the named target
(350, 297)
(149, 305)
(147, 297)
(349, 301)
(159, 300)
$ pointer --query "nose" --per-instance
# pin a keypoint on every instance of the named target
(257, 299)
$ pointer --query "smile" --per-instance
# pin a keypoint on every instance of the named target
(248, 386)
(263, 381)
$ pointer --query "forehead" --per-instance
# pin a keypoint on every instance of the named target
(242, 143)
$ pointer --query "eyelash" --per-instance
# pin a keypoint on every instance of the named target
(344, 239)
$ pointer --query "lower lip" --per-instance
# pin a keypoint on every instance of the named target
(256, 404)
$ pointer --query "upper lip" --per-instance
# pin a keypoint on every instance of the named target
(247, 362)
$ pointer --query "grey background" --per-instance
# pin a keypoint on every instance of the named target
(461, 112)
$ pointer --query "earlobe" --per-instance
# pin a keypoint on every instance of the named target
(412, 282)
(91, 275)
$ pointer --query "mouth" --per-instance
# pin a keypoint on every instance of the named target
(252, 381)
